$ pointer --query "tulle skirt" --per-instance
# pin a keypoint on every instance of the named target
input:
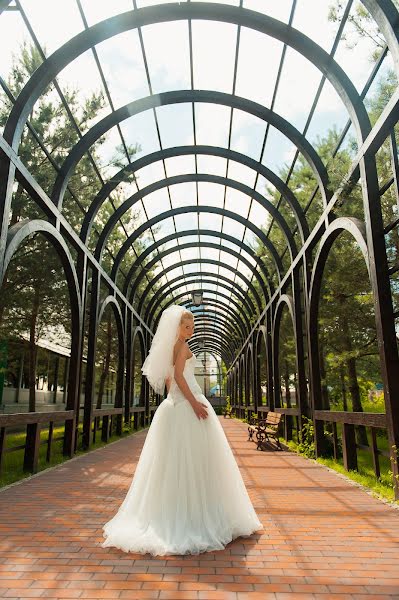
(187, 495)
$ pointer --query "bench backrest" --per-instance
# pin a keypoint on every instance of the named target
(273, 418)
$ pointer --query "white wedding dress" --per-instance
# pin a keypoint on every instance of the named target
(187, 495)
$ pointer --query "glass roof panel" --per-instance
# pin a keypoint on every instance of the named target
(215, 165)
(142, 3)
(164, 228)
(278, 10)
(191, 268)
(237, 202)
(210, 194)
(213, 52)
(166, 44)
(311, 18)
(189, 254)
(189, 239)
(227, 272)
(186, 221)
(248, 133)
(211, 268)
(171, 133)
(170, 259)
(262, 185)
(232, 2)
(180, 164)
(259, 215)
(157, 202)
(12, 34)
(329, 111)
(228, 244)
(168, 245)
(150, 174)
(278, 151)
(178, 272)
(250, 239)
(299, 79)
(209, 239)
(98, 11)
(210, 221)
(258, 63)
(183, 194)
(210, 253)
(233, 228)
(212, 124)
(140, 129)
(241, 173)
(107, 150)
(123, 67)
(64, 15)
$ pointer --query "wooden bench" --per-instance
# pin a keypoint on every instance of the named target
(228, 412)
(264, 429)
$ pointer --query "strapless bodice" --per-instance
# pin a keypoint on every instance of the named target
(175, 394)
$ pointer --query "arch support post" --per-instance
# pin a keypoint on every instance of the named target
(300, 347)
(91, 357)
(384, 314)
(75, 364)
(129, 358)
(7, 178)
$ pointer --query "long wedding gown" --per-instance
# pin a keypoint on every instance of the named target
(187, 495)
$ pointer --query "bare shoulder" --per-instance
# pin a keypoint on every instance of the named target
(180, 349)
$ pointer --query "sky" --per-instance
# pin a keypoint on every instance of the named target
(167, 52)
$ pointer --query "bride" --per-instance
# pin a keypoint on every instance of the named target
(187, 495)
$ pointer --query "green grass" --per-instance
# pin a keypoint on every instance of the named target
(382, 487)
(12, 469)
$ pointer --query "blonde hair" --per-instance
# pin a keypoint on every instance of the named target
(186, 315)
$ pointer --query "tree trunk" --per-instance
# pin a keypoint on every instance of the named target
(33, 351)
(324, 390)
(343, 388)
(106, 364)
(353, 386)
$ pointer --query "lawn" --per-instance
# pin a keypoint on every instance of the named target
(12, 468)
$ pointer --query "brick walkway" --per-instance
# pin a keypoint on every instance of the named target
(324, 538)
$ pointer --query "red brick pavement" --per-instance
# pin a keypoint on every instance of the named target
(324, 538)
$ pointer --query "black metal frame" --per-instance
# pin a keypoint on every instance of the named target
(238, 323)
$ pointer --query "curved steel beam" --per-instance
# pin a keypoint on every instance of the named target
(190, 209)
(227, 311)
(20, 231)
(208, 261)
(215, 339)
(357, 229)
(195, 177)
(223, 350)
(148, 315)
(133, 19)
(204, 320)
(227, 153)
(386, 15)
(209, 232)
(184, 96)
(161, 255)
(239, 313)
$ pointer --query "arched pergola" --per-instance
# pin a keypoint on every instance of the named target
(151, 267)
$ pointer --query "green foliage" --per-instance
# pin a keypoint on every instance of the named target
(361, 25)
(306, 446)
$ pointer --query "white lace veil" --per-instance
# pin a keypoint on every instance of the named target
(159, 363)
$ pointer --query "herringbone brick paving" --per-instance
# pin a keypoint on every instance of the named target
(324, 538)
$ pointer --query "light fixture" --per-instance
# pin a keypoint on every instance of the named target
(197, 297)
